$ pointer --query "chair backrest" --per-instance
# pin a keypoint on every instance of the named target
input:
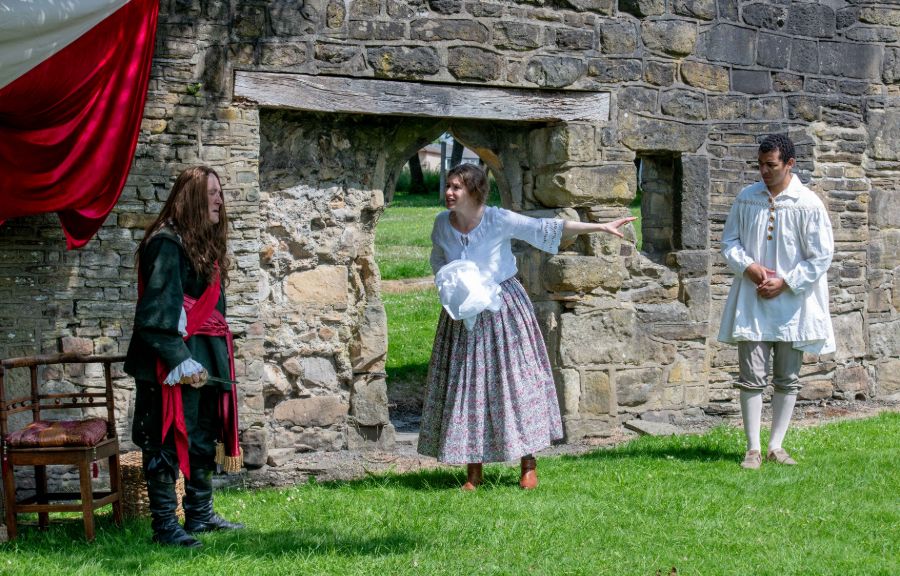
(38, 400)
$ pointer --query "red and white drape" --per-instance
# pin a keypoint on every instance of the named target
(73, 81)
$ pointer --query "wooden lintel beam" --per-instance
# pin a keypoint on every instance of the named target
(391, 98)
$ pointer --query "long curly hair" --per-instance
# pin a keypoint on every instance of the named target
(187, 212)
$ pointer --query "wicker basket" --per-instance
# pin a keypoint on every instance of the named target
(135, 502)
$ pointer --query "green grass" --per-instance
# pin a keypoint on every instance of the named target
(403, 236)
(649, 505)
(412, 321)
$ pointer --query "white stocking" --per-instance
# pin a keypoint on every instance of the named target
(782, 409)
(751, 410)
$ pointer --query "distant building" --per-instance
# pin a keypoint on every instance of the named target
(430, 157)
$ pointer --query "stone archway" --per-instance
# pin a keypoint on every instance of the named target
(324, 172)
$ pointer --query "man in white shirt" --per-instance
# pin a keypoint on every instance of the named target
(778, 242)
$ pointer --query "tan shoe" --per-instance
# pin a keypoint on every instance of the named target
(779, 455)
(473, 477)
(752, 460)
(529, 479)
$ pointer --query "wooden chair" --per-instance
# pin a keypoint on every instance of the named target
(79, 442)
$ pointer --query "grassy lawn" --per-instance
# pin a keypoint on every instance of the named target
(403, 236)
(412, 321)
(649, 505)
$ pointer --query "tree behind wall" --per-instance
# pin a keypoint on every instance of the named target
(417, 179)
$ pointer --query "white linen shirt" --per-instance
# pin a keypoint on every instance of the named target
(488, 244)
(799, 247)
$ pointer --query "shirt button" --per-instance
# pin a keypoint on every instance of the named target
(770, 236)
(771, 218)
(771, 228)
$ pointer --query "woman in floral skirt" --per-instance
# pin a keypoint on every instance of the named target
(490, 394)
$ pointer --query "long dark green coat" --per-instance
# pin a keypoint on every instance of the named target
(168, 275)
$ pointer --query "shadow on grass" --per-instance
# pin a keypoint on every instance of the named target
(639, 451)
(131, 551)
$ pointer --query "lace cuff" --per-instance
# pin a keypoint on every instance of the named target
(187, 368)
(551, 234)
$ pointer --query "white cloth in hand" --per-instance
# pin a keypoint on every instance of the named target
(182, 323)
(465, 291)
(187, 368)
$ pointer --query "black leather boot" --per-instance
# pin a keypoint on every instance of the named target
(166, 529)
(198, 505)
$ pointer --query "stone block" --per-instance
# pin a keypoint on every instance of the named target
(617, 36)
(642, 8)
(335, 13)
(318, 372)
(411, 62)
(766, 108)
(804, 107)
(846, 17)
(315, 411)
(430, 30)
(575, 39)
(368, 350)
(255, 442)
(884, 339)
(891, 69)
(320, 287)
(280, 456)
(751, 81)
(568, 389)
(787, 82)
(637, 99)
(872, 34)
(563, 273)
(694, 202)
(765, 15)
(361, 437)
(849, 335)
(596, 397)
(686, 104)
(446, 6)
(773, 51)
(732, 44)
(811, 19)
(75, 345)
(850, 381)
(614, 70)
(659, 73)
(700, 9)
(369, 402)
(895, 292)
(804, 56)
(888, 378)
(816, 390)
(880, 15)
(884, 133)
(635, 387)
(516, 36)
(850, 60)
(884, 207)
(562, 143)
(586, 185)
(604, 7)
(705, 76)
(313, 439)
(376, 30)
(727, 107)
(652, 134)
(554, 71)
(283, 55)
(674, 37)
(609, 336)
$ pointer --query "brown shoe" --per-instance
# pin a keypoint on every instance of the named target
(780, 456)
(529, 479)
(473, 477)
(752, 460)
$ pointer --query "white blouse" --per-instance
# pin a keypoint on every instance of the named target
(488, 244)
(792, 235)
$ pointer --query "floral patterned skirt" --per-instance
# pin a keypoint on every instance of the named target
(490, 395)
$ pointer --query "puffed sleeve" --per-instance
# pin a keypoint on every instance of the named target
(817, 243)
(438, 256)
(732, 248)
(542, 233)
(159, 308)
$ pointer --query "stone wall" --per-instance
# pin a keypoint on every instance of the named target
(693, 86)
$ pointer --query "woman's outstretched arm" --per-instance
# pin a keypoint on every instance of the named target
(571, 228)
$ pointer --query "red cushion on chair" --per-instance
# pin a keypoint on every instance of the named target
(45, 434)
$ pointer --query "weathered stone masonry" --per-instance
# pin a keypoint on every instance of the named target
(692, 85)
